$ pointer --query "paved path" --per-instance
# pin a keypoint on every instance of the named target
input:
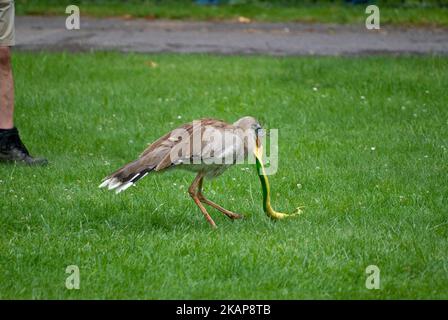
(140, 35)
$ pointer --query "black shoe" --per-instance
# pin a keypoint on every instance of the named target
(13, 150)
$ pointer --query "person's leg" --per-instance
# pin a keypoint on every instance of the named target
(6, 89)
(7, 39)
(11, 147)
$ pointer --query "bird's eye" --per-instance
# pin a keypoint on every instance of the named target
(259, 132)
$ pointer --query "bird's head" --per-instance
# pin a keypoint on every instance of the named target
(251, 126)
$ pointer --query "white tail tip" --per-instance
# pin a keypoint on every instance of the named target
(104, 183)
(123, 187)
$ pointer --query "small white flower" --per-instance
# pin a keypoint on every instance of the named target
(372, 148)
(363, 98)
(314, 89)
(299, 186)
(179, 117)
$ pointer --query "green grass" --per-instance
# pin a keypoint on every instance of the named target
(259, 11)
(91, 113)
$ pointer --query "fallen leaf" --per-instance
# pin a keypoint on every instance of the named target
(151, 64)
(151, 17)
(243, 20)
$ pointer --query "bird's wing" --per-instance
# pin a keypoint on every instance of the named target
(193, 142)
(174, 148)
(150, 157)
(221, 146)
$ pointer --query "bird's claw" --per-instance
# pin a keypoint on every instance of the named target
(236, 216)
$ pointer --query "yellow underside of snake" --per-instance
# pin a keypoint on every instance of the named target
(266, 189)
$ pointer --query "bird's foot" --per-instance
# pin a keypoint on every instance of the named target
(235, 216)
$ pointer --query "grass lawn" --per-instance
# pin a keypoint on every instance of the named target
(363, 144)
(277, 12)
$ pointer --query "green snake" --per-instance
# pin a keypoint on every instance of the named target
(275, 215)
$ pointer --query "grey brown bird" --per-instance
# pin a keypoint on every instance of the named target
(206, 146)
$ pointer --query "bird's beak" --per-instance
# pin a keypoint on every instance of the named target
(258, 133)
(258, 150)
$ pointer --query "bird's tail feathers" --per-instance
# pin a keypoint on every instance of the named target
(126, 176)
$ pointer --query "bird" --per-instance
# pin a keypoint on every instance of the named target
(206, 147)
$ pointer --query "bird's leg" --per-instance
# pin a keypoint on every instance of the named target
(202, 198)
(192, 190)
